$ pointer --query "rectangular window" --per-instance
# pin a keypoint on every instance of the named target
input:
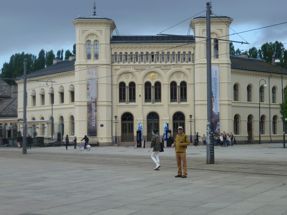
(61, 97)
(52, 98)
(72, 96)
(42, 99)
(33, 100)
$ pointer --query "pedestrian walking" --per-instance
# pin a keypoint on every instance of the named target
(75, 143)
(196, 141)
(86, 139)
(29, 141)
(156, 146)
(180, 144)
(67, 141)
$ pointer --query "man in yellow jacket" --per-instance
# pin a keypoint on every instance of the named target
(181, 142)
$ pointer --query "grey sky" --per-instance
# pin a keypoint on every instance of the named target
(29, 25)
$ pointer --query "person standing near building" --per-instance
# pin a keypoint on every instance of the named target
(75, 143)
(67, 141)
(180, 144)
(86, 139)
(29, 141)
(155, 145)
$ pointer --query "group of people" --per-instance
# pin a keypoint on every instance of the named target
(180, 144)
(85, 139)
(222, 139)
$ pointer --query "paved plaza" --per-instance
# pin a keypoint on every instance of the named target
(246, 179)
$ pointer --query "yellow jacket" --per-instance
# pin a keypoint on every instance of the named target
(181, 143)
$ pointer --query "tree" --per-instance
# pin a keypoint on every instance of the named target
(49, 58)
(232, 49)
(74, 49)
(253, 52)
(68, 54)
(271, 51)
(41, 60)
(238, 52)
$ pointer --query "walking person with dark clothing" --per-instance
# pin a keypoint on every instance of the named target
(75, 143)
(156, 146)
(86, 139)
(67, 141)
(29, 141)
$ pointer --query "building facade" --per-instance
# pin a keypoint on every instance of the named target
(118, 84)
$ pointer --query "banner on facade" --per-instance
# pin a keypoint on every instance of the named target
(92, 89)
(215, 77)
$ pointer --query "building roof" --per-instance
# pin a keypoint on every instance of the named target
(153, 39)
(62, 66)
(240, 63)
(251, 64)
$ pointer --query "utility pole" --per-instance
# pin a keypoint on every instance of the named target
(209, 132)
(24, 150)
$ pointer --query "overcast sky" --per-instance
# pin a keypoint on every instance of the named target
(29, 25)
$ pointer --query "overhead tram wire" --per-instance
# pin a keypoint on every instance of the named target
(182, 21)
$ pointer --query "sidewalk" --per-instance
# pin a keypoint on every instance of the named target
(246, 180)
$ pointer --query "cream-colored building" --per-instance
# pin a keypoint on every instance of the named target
(117, 83)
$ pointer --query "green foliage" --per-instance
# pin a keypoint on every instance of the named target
(49, 58)
(14, 68)
(232, 49)
(253, 52)
(68, 54)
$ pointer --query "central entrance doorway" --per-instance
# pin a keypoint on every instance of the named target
(152, 124)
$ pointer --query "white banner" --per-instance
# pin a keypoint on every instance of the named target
(215, 80)
(92, 102)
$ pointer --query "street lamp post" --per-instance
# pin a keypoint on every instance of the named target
(116, 135)
(24, 149)
(264, 85)
(190, 127)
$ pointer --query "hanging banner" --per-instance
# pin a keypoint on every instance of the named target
(92, 101)
(215, 79)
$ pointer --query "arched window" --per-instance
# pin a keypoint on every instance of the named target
(42, 96)
(235, 92)
(147, 90)
(157, 92)
(122, 92)
(274, 92)
(261, 93)
(51, 92)
(96, 49)
(132, 92)
(33, 98)
(236, 124)
(249, 93)
(173, 92)
(215, 48)
(274, 124)
(250, 128)
(262, 124)
(61, 94)
(183, 94)
(88, 49)
(72, 125)
(72, 93)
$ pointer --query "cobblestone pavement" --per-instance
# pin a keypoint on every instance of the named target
(246, 179)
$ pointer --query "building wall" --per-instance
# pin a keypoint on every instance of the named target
(38, 115)
(116, 64)
(244, 108)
